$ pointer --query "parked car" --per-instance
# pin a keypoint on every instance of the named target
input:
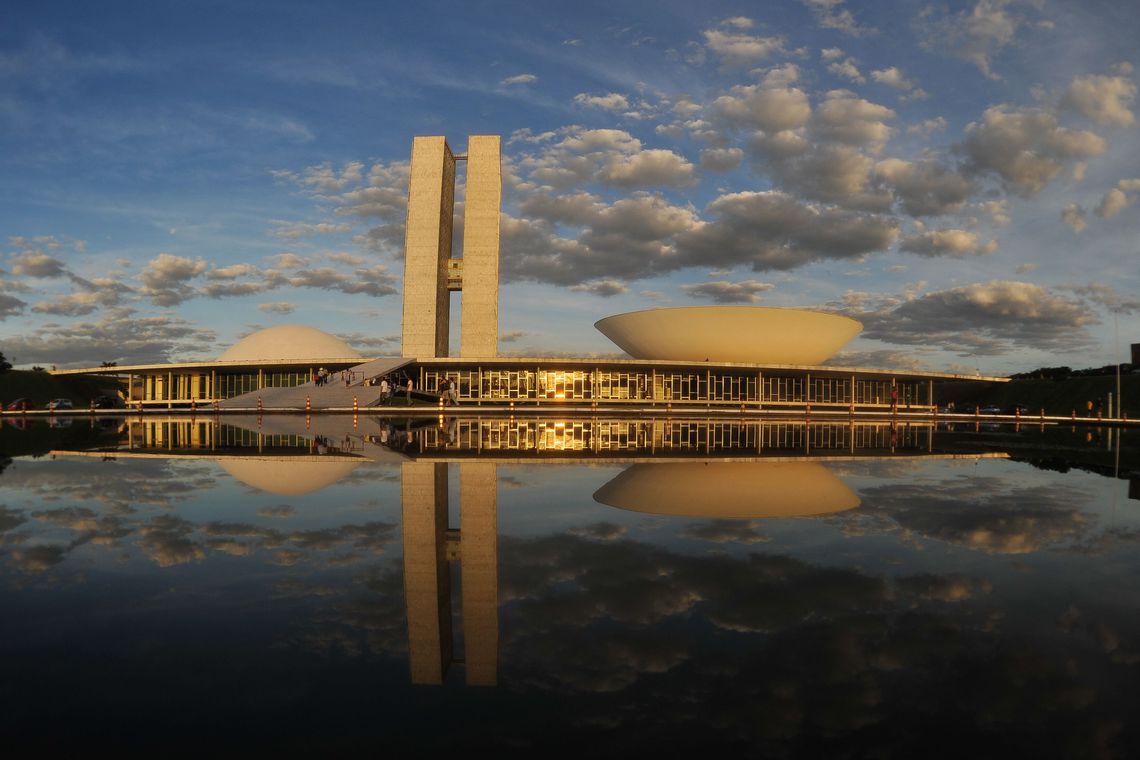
(990, 409)
(21, 405)
(60, 403)
(1017, 409)
(107, 402)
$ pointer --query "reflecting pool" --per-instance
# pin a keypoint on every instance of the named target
(597, 586)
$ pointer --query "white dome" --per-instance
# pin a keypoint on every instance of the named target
(288, 343)
(745, 334)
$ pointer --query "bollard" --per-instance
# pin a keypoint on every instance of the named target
(354, 423)
(1042, 415)
(193, 406)
(1017, 412)
(259, 406)
(1074, 415)
(308, 406)
(93, 406)
(307, 420)
(217, 407)
(355, 408)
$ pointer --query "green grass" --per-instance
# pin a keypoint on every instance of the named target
(1056, 397)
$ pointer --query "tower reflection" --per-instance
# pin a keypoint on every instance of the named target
(429, 549)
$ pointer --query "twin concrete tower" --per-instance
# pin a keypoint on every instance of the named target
(430, 271)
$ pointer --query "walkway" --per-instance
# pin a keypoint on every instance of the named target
(333, 394)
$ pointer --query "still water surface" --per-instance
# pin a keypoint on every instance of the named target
(604, 587)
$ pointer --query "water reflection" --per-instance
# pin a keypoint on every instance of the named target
(795, 598)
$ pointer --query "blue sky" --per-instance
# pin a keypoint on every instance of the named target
(963, 177)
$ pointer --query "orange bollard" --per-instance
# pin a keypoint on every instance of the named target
(355, 408)
(308, 404)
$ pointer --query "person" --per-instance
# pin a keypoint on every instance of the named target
(443, 386)
(384, 389)
(408, 392)
(452, 395)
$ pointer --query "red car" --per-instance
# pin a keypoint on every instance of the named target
(21, 405)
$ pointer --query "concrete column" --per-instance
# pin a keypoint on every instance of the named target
(427, 582)
(479, 565)
(479, 333)
(427, 248)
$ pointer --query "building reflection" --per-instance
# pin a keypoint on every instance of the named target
(683, 468)
(430, 549)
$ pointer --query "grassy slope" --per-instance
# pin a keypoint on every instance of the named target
(1054, 396)
(42, 387)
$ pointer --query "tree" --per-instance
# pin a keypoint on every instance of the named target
(109, 364)
(5, 365)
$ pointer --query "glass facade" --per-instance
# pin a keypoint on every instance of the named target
(719, 386)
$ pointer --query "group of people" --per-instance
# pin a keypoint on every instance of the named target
(390, 386)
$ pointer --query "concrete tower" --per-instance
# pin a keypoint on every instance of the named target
(429, 271)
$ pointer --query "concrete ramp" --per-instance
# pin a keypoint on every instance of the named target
(333, 394)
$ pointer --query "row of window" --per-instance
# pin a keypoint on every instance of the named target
(602, 385)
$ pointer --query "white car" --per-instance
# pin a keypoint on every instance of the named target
(60, 403)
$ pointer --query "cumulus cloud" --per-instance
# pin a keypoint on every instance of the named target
(737, 49)
(1074, 216)
(1025, 148)
(745, 291)
(324, 178)
(773, 230)
(770, 109)
(604, 288)
(830, 14)
(519, 79)
(37, 264)
(611, 102)
(1108, 298)
(1103, 99)
(165, 278)
(956, 243)
(974, 34)
(982, 319)
(120, 336)
(846, 118)
(278, 307)
(927, 126)
(924, 188)
(847, 69)
(607, 156)
(721, 159)
(1117, 199)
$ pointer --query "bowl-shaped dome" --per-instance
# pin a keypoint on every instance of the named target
(745, 334)
(288, 477)
(288, 343)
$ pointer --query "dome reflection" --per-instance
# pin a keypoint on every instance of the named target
(729, 489)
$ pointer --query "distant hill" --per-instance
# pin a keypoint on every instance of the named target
(1056, 397)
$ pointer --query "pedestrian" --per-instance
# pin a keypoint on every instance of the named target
(384, 389)
(452, 396)
(443, 386)
(408, 393)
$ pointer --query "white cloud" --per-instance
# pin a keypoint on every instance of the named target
(739, 49)
(1103, 99)
(974, 35)
(603, 288)
(948, 242)
(830, 14)
(1074, 216)
(1026, 148)
(519, 79)
(847, 69)
(610, 102)
(278, 307)
(745, 291)
(721, 159)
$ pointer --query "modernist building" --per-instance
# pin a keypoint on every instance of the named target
(727, 357)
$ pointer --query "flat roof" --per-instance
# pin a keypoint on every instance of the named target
(540, 361)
